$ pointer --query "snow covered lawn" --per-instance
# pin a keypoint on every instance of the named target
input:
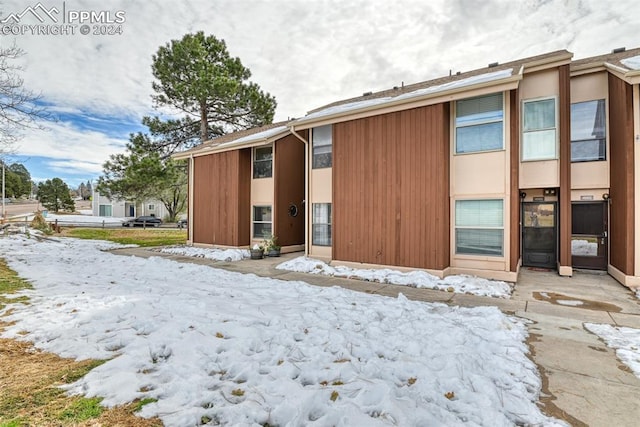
(238, 349)
(418, 279)
(208, 253)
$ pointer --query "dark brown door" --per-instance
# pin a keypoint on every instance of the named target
(589, 240)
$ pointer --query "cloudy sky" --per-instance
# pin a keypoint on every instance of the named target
(304, 52)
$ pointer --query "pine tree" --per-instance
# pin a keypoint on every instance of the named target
(54, 195)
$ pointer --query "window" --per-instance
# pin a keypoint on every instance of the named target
(321, 141)
(479, 124)
(263, 162)
(539, 129)
(479, 227)
(105, 210)
(588, 131)
(321, 224)
(151, 207)
(261, 221)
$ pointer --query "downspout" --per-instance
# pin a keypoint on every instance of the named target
(307, 211)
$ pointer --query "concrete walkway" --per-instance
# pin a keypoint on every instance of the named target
(583, 381)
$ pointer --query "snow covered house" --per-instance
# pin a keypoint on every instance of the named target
(104, 206)
(530, 163)
(246, 186)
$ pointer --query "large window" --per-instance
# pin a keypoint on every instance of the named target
(321, 141)
(479, 124)
(588, 131)
(539, 129)
(321, 224)
(105, 210)
(262, 222)
(479, 227)
(262, 162)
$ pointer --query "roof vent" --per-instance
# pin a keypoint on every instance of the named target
(619, 50)
(458, 73)
(493, 64)
(367, 93)
(396, 88)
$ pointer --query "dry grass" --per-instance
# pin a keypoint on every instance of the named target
(135, 236)
(30, 380)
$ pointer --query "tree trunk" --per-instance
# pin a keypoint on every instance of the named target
(204, 127)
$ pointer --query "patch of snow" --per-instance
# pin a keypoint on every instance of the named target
(570, 303)
(469, 81)
(632, 63)
(82, 219)
(256, 136)
(418, 279)
(209, 253)
(625, 341)
(85, 212)
(247, 350)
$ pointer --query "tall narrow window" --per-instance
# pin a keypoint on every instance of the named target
(262, 162)
(321, 224)
(262, 222)
(588, 131)
(479, 227)
(322, 147)
(479, 124)
(539, 129)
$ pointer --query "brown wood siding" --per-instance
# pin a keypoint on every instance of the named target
(514, 201)
(564, 197)
(289, 189)
(621, 222)
(221, 198)
(391, 189)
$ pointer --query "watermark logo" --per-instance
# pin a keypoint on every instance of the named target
(61, 19)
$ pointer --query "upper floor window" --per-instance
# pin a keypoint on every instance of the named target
(539, 141)
(588, 131)
(263, 162)
(322, 142)
(479, 124)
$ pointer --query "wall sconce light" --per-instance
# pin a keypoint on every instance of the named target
(605, 196)
(523, 194)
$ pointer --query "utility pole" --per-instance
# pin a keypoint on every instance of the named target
(3, 211)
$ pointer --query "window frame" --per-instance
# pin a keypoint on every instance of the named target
(254, 161)
(151, 207)
(315, 224)
(314, 148)
(457, 126)
(254, 222)
(602, 140)
(556, 151)
(105, 206)
(480, 227)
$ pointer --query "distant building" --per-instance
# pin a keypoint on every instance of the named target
(104, 206)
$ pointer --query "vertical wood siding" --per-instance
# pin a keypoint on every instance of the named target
(391, 189)
(289, 189)
(564, 197)
(514, 201)
(621, 223)
(221, 188)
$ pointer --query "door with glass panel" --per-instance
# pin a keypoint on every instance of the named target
(539, 234)
(589, 240)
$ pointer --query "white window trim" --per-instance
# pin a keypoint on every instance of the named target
(455, 227)
(253, 160)
(253, 220)
(455, 126)
(522, 131)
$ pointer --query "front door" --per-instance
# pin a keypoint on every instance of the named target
(589, 242)
(539, 234)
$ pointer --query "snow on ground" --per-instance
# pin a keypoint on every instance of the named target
(85, 212)
(419, 279)
(625, 341)
(208, 253)
(245, 350)
(82, 219)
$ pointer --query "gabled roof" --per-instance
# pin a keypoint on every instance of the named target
(240, 139)
(493, 75)
(621, 62)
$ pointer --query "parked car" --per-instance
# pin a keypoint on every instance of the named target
(140, 221)
(182, 223)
